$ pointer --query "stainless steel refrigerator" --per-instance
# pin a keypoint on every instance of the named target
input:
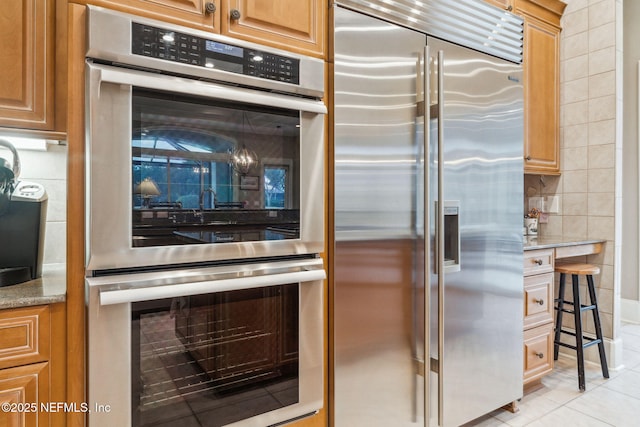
(462, 182)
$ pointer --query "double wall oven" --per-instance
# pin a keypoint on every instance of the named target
(205, 170)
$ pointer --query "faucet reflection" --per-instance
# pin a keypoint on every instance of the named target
(201, 200)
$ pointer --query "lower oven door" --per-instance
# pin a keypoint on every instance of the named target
(240, 346)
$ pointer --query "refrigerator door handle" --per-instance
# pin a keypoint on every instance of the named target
(440, 238)
(424, 84)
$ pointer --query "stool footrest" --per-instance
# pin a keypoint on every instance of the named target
(588, 340)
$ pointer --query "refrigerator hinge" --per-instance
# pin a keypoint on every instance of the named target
(434, 365)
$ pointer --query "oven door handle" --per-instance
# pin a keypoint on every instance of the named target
(120, 296)
(105, 73)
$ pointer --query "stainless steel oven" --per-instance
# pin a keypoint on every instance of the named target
(205, 217)
(200, 147)
(215, 346)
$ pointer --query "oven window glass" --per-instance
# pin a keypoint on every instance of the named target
(211, 360)
(212, 172)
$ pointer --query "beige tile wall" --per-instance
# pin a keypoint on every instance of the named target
(591, 103)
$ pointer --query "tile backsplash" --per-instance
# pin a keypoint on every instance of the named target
(49, 168)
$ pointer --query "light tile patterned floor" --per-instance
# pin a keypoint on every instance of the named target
(606, 402)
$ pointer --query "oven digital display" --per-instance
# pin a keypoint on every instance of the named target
(184, 48)
(225, 49)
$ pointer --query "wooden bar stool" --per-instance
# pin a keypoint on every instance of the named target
(582, 341)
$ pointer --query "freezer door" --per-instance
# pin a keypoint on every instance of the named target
(476, 141)
(376, 376)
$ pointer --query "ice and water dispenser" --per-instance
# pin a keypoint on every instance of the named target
(451, 236)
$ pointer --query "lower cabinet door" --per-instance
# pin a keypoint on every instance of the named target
(538, 352)
(22, 390)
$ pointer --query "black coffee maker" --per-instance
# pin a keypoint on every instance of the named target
(23, 214)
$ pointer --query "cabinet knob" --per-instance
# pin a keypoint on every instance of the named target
(210, 7)
(540, 355)
(235, 14)
(510, 8)
(528, 158)
(538, 261)
(539, 301)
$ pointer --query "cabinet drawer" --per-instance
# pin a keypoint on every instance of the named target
(538, 352)
(24, 336)
(538, 300)
(538, 261)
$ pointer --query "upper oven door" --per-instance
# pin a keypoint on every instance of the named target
(183, 171)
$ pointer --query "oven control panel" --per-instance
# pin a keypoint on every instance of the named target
(173, 46)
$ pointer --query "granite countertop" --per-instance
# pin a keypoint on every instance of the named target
(544, 242)
(50, 288)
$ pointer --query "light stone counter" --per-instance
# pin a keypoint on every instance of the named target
(50, 288)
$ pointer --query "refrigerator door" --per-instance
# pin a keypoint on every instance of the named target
(476, 307)
(376, 377)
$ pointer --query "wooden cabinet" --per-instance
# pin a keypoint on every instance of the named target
(541, 77)
(21, 392)
(297, 25)
(27, 361)
(538, 313)
(294, 25)
(27, 31)
(201, 14)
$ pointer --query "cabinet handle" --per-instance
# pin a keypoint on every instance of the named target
(235, 14)
(540, 355)
(510, 8)
(539, 301)
(538, 261)
(210, 7)
(528, 158)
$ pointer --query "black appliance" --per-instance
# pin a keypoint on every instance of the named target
(23, 213)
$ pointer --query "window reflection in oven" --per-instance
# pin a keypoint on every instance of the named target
(214, 359)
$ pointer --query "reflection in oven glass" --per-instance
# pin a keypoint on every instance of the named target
(210, 360)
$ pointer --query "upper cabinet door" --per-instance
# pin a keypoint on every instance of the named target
(201, 14)
(541, 97)
(296, 25)
(27, 31)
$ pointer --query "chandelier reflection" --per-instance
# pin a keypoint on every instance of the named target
(242, 160)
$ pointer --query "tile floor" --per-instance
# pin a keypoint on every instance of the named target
(606, 402)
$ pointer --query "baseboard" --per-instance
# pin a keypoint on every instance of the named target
(612, 348)
(630, 310)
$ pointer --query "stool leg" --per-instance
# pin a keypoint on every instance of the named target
(596, 322)
(578, 322)
(559, 307)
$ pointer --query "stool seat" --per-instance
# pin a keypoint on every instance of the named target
(577, 268)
